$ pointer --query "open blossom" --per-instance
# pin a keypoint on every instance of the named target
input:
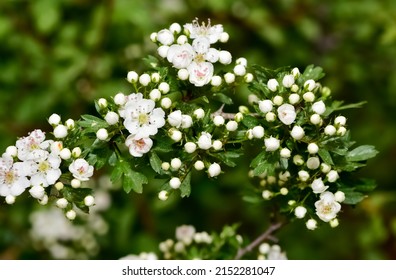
(180, 56)
(47, 170)
(200, 73)
(287, 113)
(327, 207)
(141, 118)
(13, 180)
(32, 147)
(318, 186)
(81, 169)
(138, 147)
(185, 234)
(212, 33)
(271, 144)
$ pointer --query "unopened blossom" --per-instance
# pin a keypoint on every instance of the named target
(294, 98)
(318, 186)
(271, 144)
(327, 207)
(232, 126)
(309, 96)
(265, 106)
(190, 147)
(300, 212)
(319, 107)
(60, 131)
(214, 170)
(332, 176)
(186, 121)
(175, 118)
(287, 113)
(312, 148)
(111, 118)
(141, 118)
(272, 84)
(205, 141)
(225, 57)
(313, 163)
(330, 130)
(297, 132)
(175, 183)
(138, 146)
(37, 192)
(165, 37)
(258, 131)
(310, 84)
(340, 120)
(199, 165)
(185, 234)
(81, 169)
(288, 81)
(132, 77)
(339, 196)
(311, 224)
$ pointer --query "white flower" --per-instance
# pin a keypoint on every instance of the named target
(212, 33)
(32, 147)
(165, 166)
(285, 153)
(266, 194)
(75, 183)
(199, 113)
(175, 183)
(183, 74)
(141, 118)
(270, 117)
(199, 165)
(309, 84)
(54, 119)
(287, 114)
(313, 148)
(71, 214)
(225, 57)
(155, 77)
(175, 28)
(163, 51)
(271, 144)
(185, 234)
(48, 171)
(111, 118)
(330, 130)
(295, 72)
(224, 37)
(214, 170)
(138, 146)
(180, 56)
(190, 147)
(300, 212)
(340, 120)
(319, 107)
(13, 180)
(341, 131)
(339, 196)
(11, 151)
(327, 207)
(205, 141)
(232, 126)
(325, 168)
(216, 81)
(102, 134)
(265, 106)
(258, 131)
(311, 224)
(315, 119)
(272, 84)
(313, 163)
(288, 81)
(144, 79)
(175, 118)
(65, 153)
(241, 61)
(62, 203)
(165, 37)
(120, 99)
(164, 87)
(182, 39)
(201, 45)
(332, 176)
(298, 160)
(297, 132)
(60, 131)
(163, 195)
(278, 100)
(318, 186)
(200, 73)
(309, 96)
(248, 77)
(81, 169)
(155, 94)
(37, 192)
(102, 102)
(175, 134)
(186, 121)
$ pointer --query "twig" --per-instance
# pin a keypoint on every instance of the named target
(265, 235)
(219, 112)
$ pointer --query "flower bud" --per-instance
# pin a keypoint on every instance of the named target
(311, 224)
(294, 88)
(330, 130)
(10, 199)
(232, 126)
(190, 147)
(102, 134)
(132, 77)
(183, 74)
(186, 121)
(166, 103)
(214, 170)
(267, 194)
(309, 96)
(175, 28)
(339, 196)
(71, 214)
(315, 119)
(102, 102)
(11, 151)
(224, 36)
(69, 124)
(217, 145)
(62, 203)
(199, 113)
(313, 163)
(325, 168)
(248, 77)
(309, 85)
(252, 99)
(144, 79)
(153, 37)
(65, 154)
(164, 87)
(284, 191)
(175, 183)
(265, 106)
(285, 153)
(288, 81)
(229, 78)
(271, 144)
(199, 165)
(303, 175)
(163, 51)
(89, 200)
(264, 248)
(111, 118)
(37, 192)
(44, 200)
(182, 39)
(225, 57)
(319, 107)
(332, 176)
(270, 117)
(258, 132)
(341, 131)
(300, 212)
(334, 223)
(326, 91)
(272, 85)
(294, 98)
(59, 186)
(163, 195)
(175, 134)
(75, 183)
(205, 141)
(295, 72)
(60, 131)
(218, 120)
(239, 70)
(120, 99)
(54, 119)
(155, 95)
(238, 117)
(155, 77)
(298, 160)
(318, 186)
(278, 100)
(165, 166)
(313, 148)
(176, 163)
(297, 132)
(216, 81)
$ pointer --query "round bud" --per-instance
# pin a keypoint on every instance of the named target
(165, 166)
(309, 85)
(313, 148)
(102, 102)
(311, 224)
(75, 183)
(175, 183)
(216, 81)
(37, 192)
(325, 168)
(248, 77)
(270, 117)
(176, 163)
(224, 36)
(163, 195)
(89, 200)
(284, 191)
(54, 119)
(332, 176)
(59, 186)
(182, 39)
(294, 98)
(278, 100)
(11, 151)
(120, 99)
(199, 165)
(217, 145)
(214, 170)
(183, 74)
(62, 203)
(341, 131)
(319, 107)
(111, 118)
(166, 103)
(229, 78)
(225, 57)
(155, 95)
(60, 131)
(297, 132)
(10, 199)
(199, 113)
(295, 72)
(232, 126)
(298, 160)
(288, 81)
(76, 152)
(175, 135)
(303, 175)
(294, 88)
(271, 144)
(71, 214)
(144, 79)
(239, 70)
(340, 120)
(190, 147)
(163, 51)
(44, 200)
(102, 134)
(65, 154)
(69, 124)
(300, 212)
(238, 117)
(258, 132)
(132, 77)
(164, 87)
(266, 194)
(153, 37)
(272, 85)
(313, 163)
(334, 223)
(285, 153)
(155, 77)
(218, 120)
(309, 96)
(241, 61)
(315, 119)
(330, 130)
(339, 196)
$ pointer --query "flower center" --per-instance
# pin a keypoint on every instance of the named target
(81, 170)
(140, 144)
(327, 209)
(143, 119)
(9, 177)
(43, 166)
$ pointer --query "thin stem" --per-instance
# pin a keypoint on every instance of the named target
(265, 235)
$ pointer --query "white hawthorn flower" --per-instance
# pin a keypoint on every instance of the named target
(294, 98)
(163, 51)
(200, 73)
(315, 119)
(120, 99)
(155, 94)
(272, 84)
(181, 56)
(81, 169)
(175, 134)
(163, 195)
(47, 170)
(270, 117)
(185, 234)
(199, 165)
(309, 96)
(138, 146)
(141, 118)
(132, 77)
(205, 141)
(216, 81)
(89, 200)
(285, 153)
(166, 103)
(199, 113)
(214, 170)
(319, 107)
(271, 144)
(327, 207)
(218, 120)
(265, 106)
(239, 70)
(13, 180)
(318, 186)
(287, 114)
(217, 145)
(297, 132)
(186, 121)
(300, 212)
(229, 78)
(176, 163)
(288, 81)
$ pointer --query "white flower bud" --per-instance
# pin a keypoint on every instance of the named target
(330, 130)
(175, 118)
(11, 151)
(54, 119)
(218, 120)
(334, 223)
(214, 170)
(166, 103)
(175, 135)
(132, 77)
(294, 98)
(89, 200)
(229, 78)
(164, 87)
(76, 152)
(270, 117)
(10, 199)
(242, 61)
(278, 100)
(199, 113)
(75, 183)
(37, 192)
(294, 88)
(238, 117)
(297, 132)
(325, 168)
(102, 102)
(313, 148)
(69, 124)
(186, 121)
(190, 147)
(120, 99)
(176, 163)
(144, 79)
(309, 96)
(175, 28)
(165, 37)
(319, 107)
(271, 144)
(311, 224)
(300, 212)
(182, 39)
(163, 51)
(265, 106)
(111, 118)
(339, 196)
(309, 85)
(102, 134)
(65, 154)
(248, 77)
(332, 176)
(272, 85)
(315, 119)
(155, 95)
(175, 183)
(318, 186)
(199, 165)
(163, 195)
(225, 57)
(71, 214)
(313, 163)
(258, 132)
(232, 126)
(205, 141)
(288, 81)
(155, 77)
(62, 203)
(291, 202)
(287, 114)
(249, 134)
(264, 248)
(285, 153)
(340, 120)
(59, 186)
(44, 200)
(153, 37)
(266, 194)
(303, 175)
(216, 81)
(341, 131)
(165, 166)
(284, 191)
(295, 72)
(239, 70)
(217, 145)
(60, 131)
(224, 36)
(183, 74)
(298, 160)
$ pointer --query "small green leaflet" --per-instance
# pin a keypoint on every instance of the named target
(185, 187)
(361, 153)
(132, 180)
(155, 162)
(325, 156)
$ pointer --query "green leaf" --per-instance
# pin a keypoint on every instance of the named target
(258, 159)
(222, 98)
(155, 162)
(132, 180)
(325, 156)
(337, 106)
(77, 196)
(366, 185)
(228, 157)
(312, 72)
(264, 167)
(250, 121)
(253, 199)
(185, 187)
(352, 197)
(361, 153)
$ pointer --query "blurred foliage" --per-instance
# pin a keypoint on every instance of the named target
(58, 56)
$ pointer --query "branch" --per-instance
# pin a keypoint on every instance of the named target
(265, 235)
(227, 116)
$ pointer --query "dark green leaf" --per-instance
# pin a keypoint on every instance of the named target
(155, 162)
(366, 185)
(264, 167)
(185, 187)
(361, 153)
(312, 72)
(325, 156)
(253, 199)
(258, 159)
(228, 157)
(250, 121)
(352, 196)
(134, 181)
(222, 98)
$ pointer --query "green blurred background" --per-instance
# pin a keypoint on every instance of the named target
(58, 56)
